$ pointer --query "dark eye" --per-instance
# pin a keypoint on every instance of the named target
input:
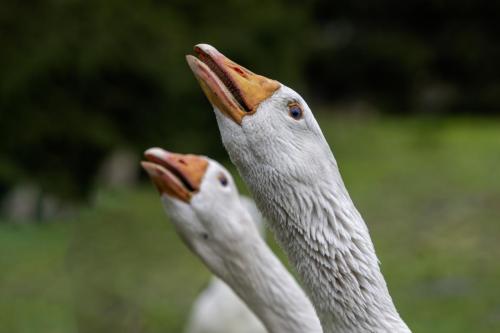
(295, 111)
(223, 179)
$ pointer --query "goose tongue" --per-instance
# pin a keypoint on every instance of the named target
(176, 175)
(231, 88)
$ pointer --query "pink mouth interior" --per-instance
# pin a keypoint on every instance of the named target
(223, 77)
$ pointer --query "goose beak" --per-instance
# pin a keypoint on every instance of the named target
(175, 175)
(232, 89)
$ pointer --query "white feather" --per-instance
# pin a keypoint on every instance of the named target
(293, 176)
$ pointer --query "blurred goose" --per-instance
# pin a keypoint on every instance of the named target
(275, 142)
(202, 201)
(219, 310)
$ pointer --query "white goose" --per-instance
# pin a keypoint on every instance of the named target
(275, 142)
(203, 203)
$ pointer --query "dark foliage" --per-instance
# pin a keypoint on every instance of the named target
(82, 77)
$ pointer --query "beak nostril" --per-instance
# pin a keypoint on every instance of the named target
(239, 71)
(181, 161)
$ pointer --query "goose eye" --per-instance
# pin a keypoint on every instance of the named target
(223, 179)
(295, 111)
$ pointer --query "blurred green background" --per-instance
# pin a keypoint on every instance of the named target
(407, 93)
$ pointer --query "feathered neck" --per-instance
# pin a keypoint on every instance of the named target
(329, 244)
(262, 281)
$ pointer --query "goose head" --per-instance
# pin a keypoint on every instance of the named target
(263, 123)
(201, 199)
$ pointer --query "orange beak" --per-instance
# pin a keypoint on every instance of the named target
(231, 88)
(176, 175)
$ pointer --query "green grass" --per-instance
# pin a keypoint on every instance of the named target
(429, 191)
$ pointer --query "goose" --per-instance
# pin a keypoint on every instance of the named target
(272, 137)
(201, 199)
(218, 309)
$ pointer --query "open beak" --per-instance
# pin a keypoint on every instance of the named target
(176, 175)
(231, 88)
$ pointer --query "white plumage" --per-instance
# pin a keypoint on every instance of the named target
(210, 217)
(283, 157)
(218, 309)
